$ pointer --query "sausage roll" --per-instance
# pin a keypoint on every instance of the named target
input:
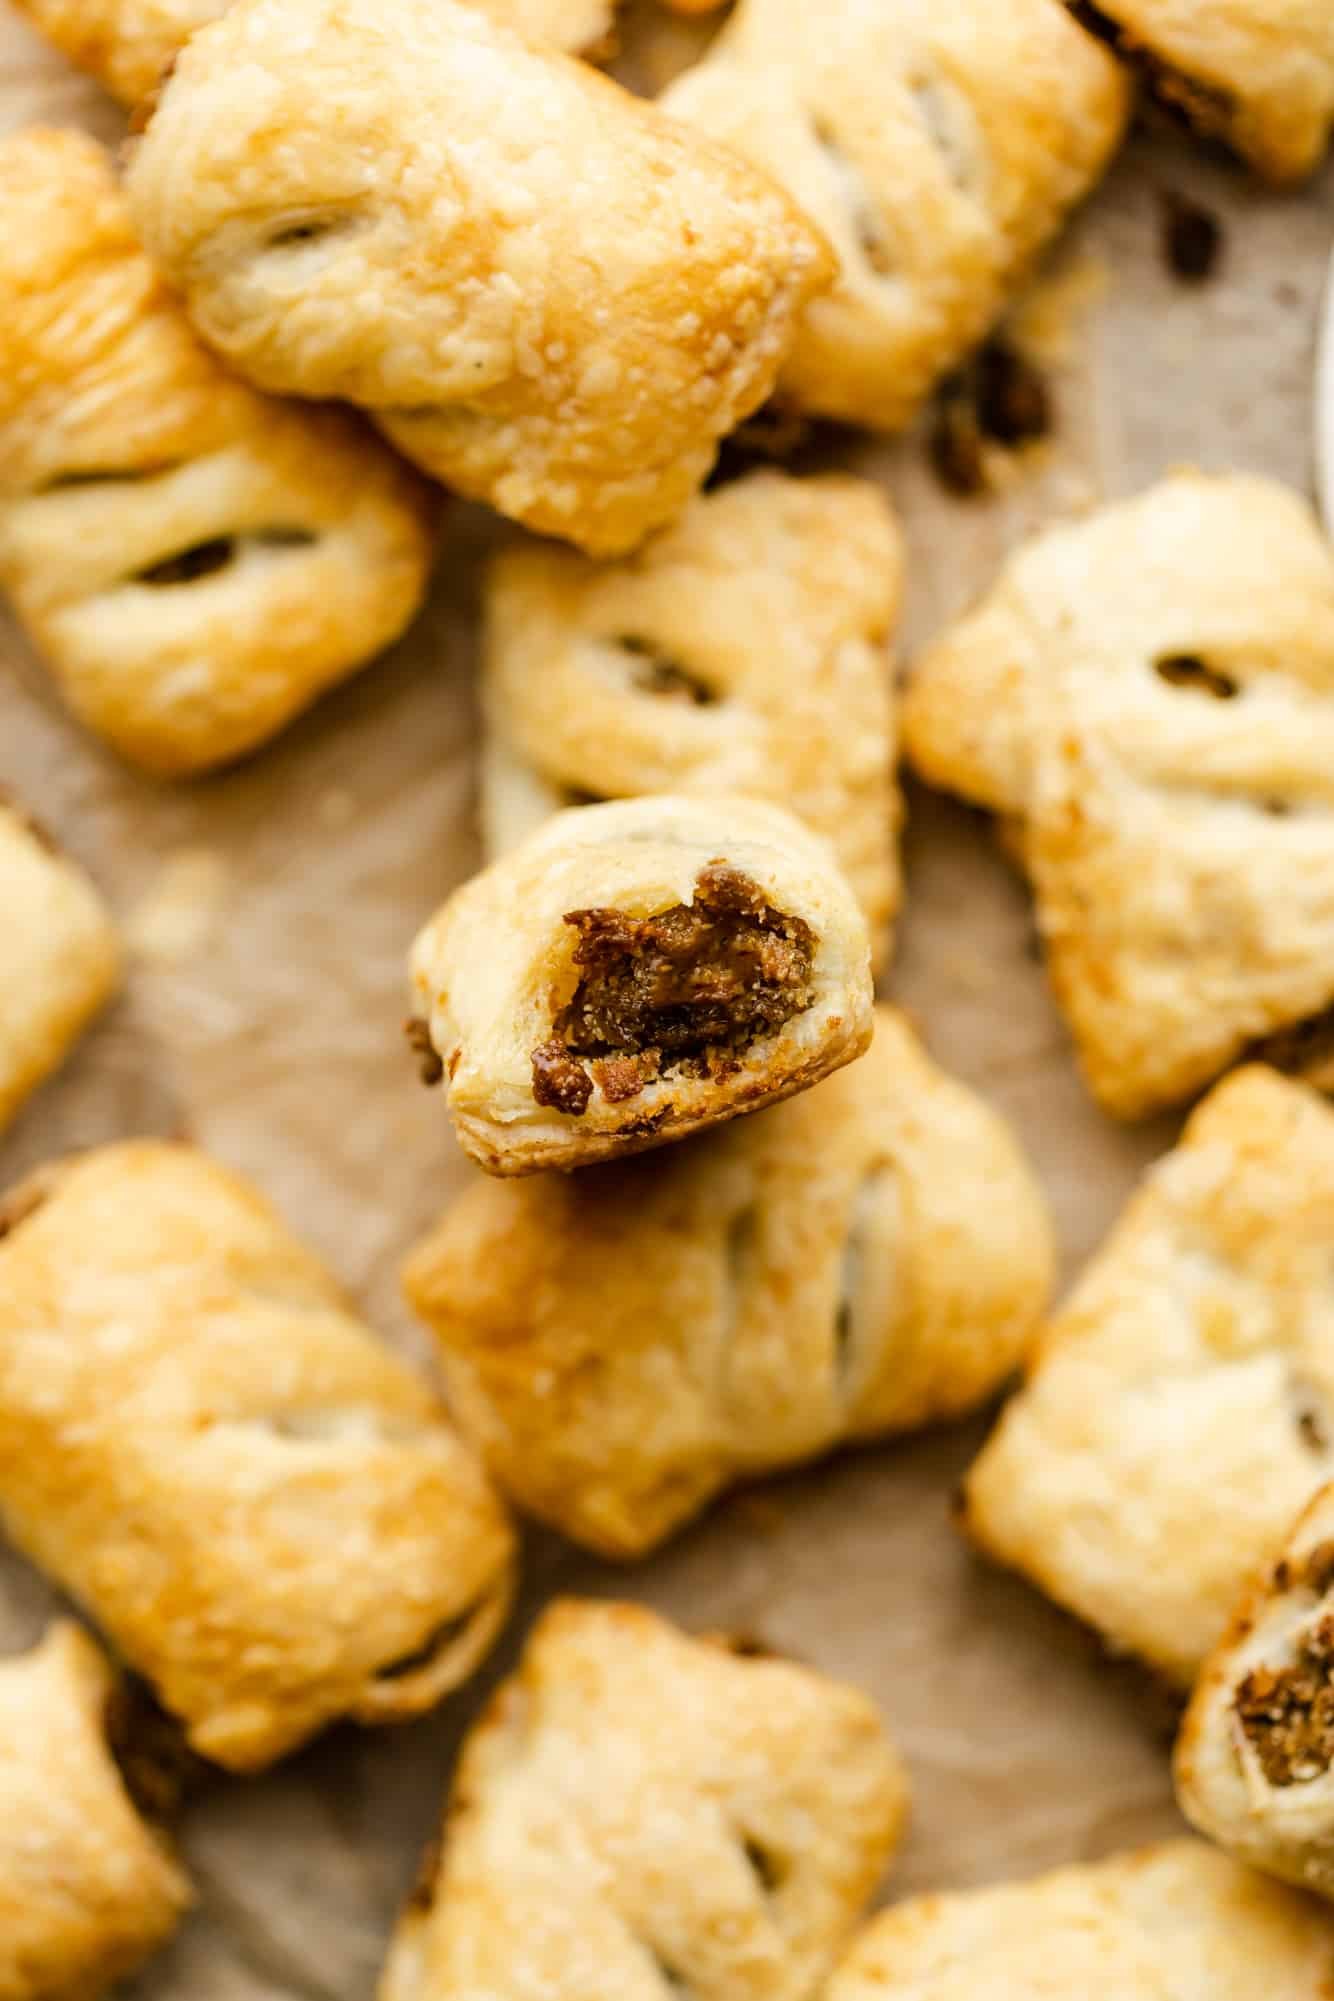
(1254, 1758)
(1257, 74)
(356, 199)
(635, 971)
(638, 1813)
(869, 1257)
(1150, 693)
(129, 45)
(1173, 1923)
(939, 148)
(265, 1511)
(59, 957)
(87, 1889)
(196, 562)
(742, 650)
(1181, 1407)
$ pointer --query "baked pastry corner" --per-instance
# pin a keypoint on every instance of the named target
(743, 649)
(637, 1810)
(622, 1343)
(635, 971)
(1149, 696)
(60, 957)
(88, 1890)
(1254, 1755)
(1180, 1409)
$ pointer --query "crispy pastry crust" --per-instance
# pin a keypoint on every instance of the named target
(355, 197)
(1151, 692)
(1258, 74)
(87, 1892)
(742, 650)
(1181, 1407)
(1172, 1923)
(59, 957)
(496, 967)
(939, 148)
(196, 562)
(1253, 1760)
(266, 1511)
(129, 45)
(638, 1810)
(867, 1258)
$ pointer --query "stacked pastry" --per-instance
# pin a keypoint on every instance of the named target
(690, 808)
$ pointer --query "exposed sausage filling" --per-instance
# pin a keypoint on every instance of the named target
(1288, 1713)
(682, 993)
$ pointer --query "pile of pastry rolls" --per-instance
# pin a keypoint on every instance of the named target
(732, 1215)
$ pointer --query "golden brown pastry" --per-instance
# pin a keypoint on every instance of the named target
(128, 45)
(635, 971)
(1258, 74)
(867, 1258)
(59, 957)
(357, 199)
(1254, 1757)
(1173, 1923)
(196, 563)
(265, 1511)
(639, 1814)
(87, 1890)
(1181, 1406)
(939, 148)
(742, 650)
(1151, 693)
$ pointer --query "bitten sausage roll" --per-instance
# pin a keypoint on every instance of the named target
(551, 296)
(128, 45)
(265, 1511)
(87, 1889)
(1255, 1758)
(869, 1257)
(1172, 1923)
(742, 650)
(1180, 1410)
(1258, 74)
(638, 1813)
(1150, 694)
(59, 957)
(635, 971)
(196, 563)
(939, 148)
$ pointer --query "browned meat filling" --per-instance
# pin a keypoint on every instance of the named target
(1207, 109)
(1288, 1713)
(682, 993)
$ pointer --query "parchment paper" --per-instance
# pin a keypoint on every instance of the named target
(272, 909)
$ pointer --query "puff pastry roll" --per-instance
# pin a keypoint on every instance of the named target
(742, 650)
(265, 1511)
(867, 1258)
(196, 562)
(639, 1813)
(129, 45)
(59, 957)
(1254, 1757)
(1173, 1923)
(87, 1890)
(1151, 693)
(1181, 1407)
(1257, 74)
(355, 198)
(939, 148)
(635, 971)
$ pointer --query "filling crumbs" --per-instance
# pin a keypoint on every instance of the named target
(1288, 1713)
(684, 993)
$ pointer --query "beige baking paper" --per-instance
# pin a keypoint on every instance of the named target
(270, 912)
